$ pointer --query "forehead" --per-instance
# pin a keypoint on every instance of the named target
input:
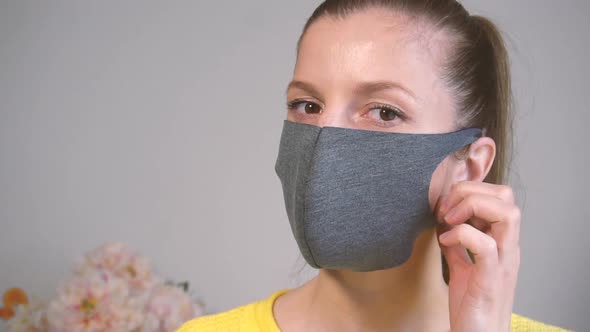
(374, 44)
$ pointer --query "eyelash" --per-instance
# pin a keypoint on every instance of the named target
(398, 113)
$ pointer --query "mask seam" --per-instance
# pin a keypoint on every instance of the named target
(311, 164)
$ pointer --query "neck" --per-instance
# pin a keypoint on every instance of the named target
(396, 299)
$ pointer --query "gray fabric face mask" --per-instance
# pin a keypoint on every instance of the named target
(358, 199)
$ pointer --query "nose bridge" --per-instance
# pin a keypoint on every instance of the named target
(334, 116)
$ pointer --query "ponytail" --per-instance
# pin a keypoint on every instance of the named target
(496, 115)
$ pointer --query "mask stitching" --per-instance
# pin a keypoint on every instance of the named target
(311, 164)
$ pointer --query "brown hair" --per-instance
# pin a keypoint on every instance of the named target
(477, 69)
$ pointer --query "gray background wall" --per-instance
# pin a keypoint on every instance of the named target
(157, 124)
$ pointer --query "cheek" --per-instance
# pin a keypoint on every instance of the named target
(439, 183)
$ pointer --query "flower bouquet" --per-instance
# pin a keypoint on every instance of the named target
(111, 289)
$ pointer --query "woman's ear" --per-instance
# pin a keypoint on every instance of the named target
(479, 159)
(473, 165)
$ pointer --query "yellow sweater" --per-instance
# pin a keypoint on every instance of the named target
(258, 317)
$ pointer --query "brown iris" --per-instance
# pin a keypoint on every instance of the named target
(311, 108)
(387, 115)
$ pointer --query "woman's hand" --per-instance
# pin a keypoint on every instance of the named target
(481, 293)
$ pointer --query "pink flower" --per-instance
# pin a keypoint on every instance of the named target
(168, 308)
(120, 261)
(112, 290)
(94, 302)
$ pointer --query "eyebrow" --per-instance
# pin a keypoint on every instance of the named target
(365, 88)
(307, 87)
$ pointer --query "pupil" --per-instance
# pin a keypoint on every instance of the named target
(388, 115)
(311, 108)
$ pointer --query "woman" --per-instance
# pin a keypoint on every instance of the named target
(394, 151)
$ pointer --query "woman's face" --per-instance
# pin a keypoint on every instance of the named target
(374, 70)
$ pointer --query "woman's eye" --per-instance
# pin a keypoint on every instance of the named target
(305, 106)
(385, 114)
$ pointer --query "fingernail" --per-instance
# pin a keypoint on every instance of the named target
(443, 236)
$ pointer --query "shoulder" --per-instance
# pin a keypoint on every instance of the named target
(523, 324)
(255, 316)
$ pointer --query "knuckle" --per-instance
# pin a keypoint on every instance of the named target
(515, 214)
(506, 193)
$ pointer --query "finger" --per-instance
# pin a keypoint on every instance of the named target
(457, 257)
(482, 246)
(504, 218)
(463, 189)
